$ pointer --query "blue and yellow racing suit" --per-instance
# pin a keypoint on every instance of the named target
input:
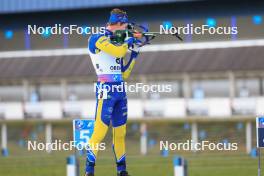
(111, 106)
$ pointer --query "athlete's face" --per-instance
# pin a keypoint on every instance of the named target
(117, 26)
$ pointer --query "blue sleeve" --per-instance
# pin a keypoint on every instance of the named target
(132, 56)
(92, 41)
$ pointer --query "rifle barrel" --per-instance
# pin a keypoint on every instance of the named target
(158, 33)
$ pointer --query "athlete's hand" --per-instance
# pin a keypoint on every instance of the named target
(130, 41)
(134, 54)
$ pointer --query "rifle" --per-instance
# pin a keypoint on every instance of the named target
(141, 33)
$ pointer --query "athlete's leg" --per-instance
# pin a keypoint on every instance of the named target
(102, 121)
(119, 119)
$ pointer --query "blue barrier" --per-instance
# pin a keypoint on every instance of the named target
(254, 153)
(5, 152)
(164, 153)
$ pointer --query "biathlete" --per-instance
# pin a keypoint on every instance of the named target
(112, 70)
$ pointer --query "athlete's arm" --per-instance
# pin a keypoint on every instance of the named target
(127, 68)
(104, 44)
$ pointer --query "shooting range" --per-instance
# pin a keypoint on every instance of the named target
(193, 96)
